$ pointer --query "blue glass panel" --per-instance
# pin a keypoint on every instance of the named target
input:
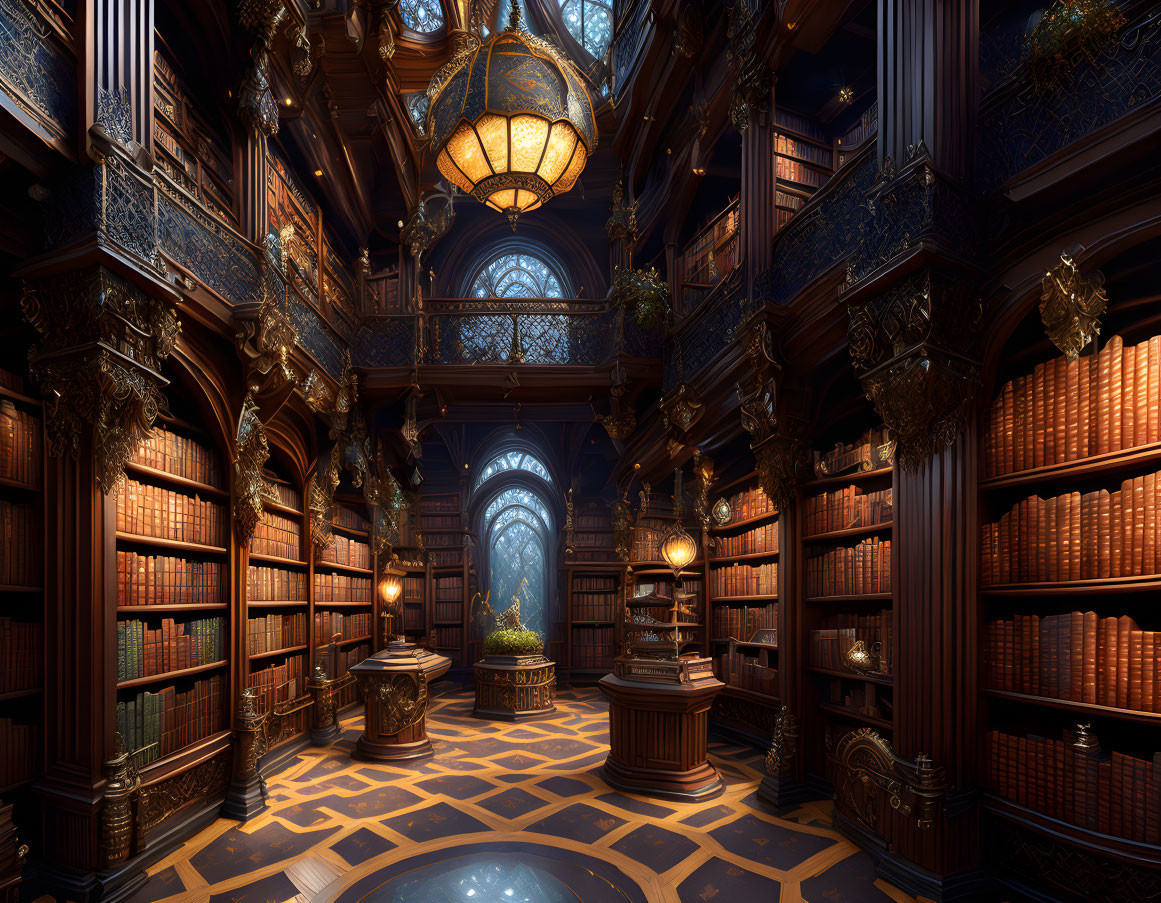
(421, 15)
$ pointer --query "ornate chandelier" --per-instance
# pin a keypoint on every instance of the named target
(510, 120)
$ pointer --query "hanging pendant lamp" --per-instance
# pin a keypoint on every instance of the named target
(510, 120)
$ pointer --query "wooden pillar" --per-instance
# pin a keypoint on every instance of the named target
(117, 74)
(758, 214)
(252, 198)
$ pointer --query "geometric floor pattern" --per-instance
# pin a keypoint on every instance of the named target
(333, 821)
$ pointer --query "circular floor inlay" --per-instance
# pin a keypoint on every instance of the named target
(495, 873)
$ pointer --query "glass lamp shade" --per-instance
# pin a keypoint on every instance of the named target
(511, 122)
(678, 549)
(389, 588)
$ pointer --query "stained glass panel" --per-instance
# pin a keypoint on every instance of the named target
(590, 22)
(417, 109)
(517, 555)
(517, 276)
(421, 15)
(515, 460)
(517, 495)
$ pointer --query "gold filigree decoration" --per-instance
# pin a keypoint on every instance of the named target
(98, 364)
(1068, 33)
(752, 87)
(1071, 306)
(868, 774)
(121, 783)
(256, 103)
(783, 743)
(157, 802)
(251, 488)
(681, 408)
(622, 221)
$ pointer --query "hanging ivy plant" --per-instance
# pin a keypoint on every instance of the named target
(643, 292)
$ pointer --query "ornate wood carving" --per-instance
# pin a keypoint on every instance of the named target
(868, 775)
(910, 348)
(157, 802)
(681, 408)
(752, 87)
(256, 104)
(1071, 306)
(402, 699)
(121, 783)
(783, 743)
(98, 363)
(250, 487)
(622, 222)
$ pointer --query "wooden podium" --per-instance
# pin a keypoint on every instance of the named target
(394, 686)
(515, 687)
(658, 727)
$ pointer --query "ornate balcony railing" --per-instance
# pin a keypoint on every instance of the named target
(709, 257)
(633, 18)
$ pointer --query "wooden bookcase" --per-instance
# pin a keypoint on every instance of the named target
(1070, 564)
(804, 160)
(21, 608)
(648, 572)
(846, 592)
(278, 608)
(594, 583)
(743, 579)
(174, 669)
(343, 577)
(441, 520)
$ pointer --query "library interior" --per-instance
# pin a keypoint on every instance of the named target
(580, 451)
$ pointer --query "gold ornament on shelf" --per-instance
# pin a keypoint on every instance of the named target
(510, 120)
(1071, 306)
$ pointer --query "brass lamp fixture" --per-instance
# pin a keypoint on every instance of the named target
(390, 588)
(678, 549)
(510, 120)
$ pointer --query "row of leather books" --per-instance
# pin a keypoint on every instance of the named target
(592, 647)
(328, 623)
(647, 538)
(749, 503)
(448, 589)
(413, 616)
(452, 541)
(593, 540)
(594, 598)
(275, 631)
(861, 455)
(748, 672)
(279, 681)
(147, 510)
(439, 522)
(21, 655)
(763, 538)
(742, 622)
(1076, 656)
(448, 612)
(342, 588)
(22, 542)
(277, 535)
(846, 508)
(1066, 411)
(863, 697)
(144, 651)
(342, 660)
(178, 455)
(442, 558)
(20, 445)
(1077, 536)
(344, 550)
(351, 519)
(593, 521)
(739, 579)
(851, 570)
(447, 636)
(797, 171)
(803, 150)
(266, 584)
(413, 588)
(1117, 795)
(288, 496)
(19, 750)
(157, 724)
(837, 634)
(167, 580)
(448, 503)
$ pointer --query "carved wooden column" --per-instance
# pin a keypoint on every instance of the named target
(118, 70)
(758, 224)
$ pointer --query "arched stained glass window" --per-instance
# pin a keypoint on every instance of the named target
(514, 460)
(590, 22)
(517, 495)
(421, 15)
(519, 531)
(517, 276)
(417, 109)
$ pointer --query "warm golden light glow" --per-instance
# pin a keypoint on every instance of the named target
(678, 548)
(390, 587)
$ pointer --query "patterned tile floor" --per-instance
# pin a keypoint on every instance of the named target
(333, 821)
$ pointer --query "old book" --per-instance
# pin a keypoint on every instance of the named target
(1116, 401)
(1125, 627)
(1126, 392)
(1089, 658)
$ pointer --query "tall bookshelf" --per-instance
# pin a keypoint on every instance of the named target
(172, 598)
(743, 587)
(278, 609)
(847, 592)
(804, 159)
(441, 520)
(594, 582)
(343, 577)
(1070, 564)
(21, 611)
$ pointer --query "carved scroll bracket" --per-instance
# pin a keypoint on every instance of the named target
(255, 734)
(912, 350)
(99, 363)
(1071, 306)
(250, 486)
(868, 775)
(754, 79)
(256, 103)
